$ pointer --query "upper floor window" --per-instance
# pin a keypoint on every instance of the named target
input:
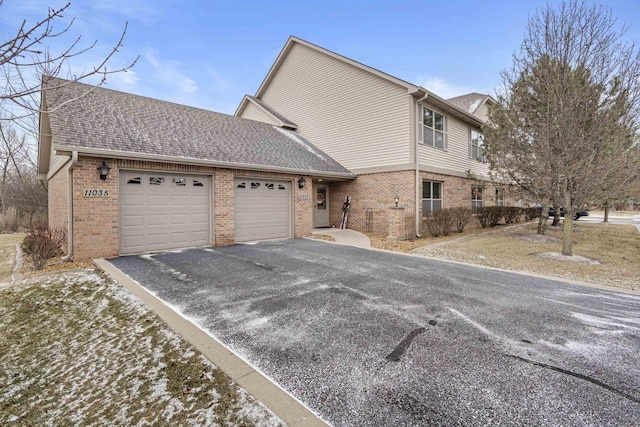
(477, 146)
(434, 128)
(476, 198)
(431, 196)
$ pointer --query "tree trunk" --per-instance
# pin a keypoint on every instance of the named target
(556, 216)
(544, 217)
(606, 211)
(567, 234)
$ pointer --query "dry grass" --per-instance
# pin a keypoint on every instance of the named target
(381, 242)
(78, 349)
(616, 248)
(325, 237)
(7, 250)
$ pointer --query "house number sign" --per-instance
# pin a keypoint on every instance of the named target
(91, 192)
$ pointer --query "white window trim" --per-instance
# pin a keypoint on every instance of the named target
(421, 128)
(441, 199)
(476, 201)
(481, 157)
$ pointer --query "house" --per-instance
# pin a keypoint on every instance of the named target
(129, 174)
(398, 138)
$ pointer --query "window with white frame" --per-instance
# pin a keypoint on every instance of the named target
(434, 128)
(476, 198)
(431, 197)
(499, 196)
(477, 146)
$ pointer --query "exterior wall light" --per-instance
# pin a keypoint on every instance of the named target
(104, 170)
(301, 182)
(396, 199)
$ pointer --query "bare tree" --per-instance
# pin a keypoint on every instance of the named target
(566, 121)
(26, 62)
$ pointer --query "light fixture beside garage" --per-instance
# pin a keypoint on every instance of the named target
(104, 170)
(396, 199)
(301, 182)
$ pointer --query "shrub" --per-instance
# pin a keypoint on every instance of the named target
(10, 221)
(490, 216)
(461, 217)
(512, 214)
(439, 222)
(43, 243)
(531, 213)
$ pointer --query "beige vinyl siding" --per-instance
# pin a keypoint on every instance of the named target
(483, 112)
(360, 119)
(56, 162)
(456, 157)
(253, 112)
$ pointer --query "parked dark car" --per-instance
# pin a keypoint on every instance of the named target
(552, 212)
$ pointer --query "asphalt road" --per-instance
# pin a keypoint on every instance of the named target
(371, 338)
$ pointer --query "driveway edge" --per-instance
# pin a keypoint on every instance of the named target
(281, 403)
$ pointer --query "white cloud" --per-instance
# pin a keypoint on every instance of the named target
(169, 73)
(124, 80)
(441, 87)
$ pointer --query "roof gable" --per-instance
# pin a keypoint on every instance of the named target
(117, 124)
(471, 102)
(268, 110)
(416, 91)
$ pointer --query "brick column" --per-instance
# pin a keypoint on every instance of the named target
(396, 223)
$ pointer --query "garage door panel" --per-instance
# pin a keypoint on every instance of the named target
(262, 209)
(163, 211)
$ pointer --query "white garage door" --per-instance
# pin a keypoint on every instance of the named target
(163, 211)
(263, 209)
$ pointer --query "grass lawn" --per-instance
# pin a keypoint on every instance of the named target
(7, 254)
(605, 254)
(78, 349)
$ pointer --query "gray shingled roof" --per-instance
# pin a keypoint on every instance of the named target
(469, 102)
(105, 119)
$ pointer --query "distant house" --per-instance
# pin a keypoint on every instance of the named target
(397, 137)
(177, 176)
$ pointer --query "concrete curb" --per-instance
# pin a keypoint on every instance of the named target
(281, 403)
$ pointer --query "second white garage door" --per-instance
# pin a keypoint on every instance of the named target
(163, 211)
(263, 209)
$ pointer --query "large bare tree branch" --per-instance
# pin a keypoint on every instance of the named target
(27, 56)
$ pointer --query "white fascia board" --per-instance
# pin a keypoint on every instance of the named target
(93, 152)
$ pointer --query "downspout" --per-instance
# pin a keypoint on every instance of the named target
(417, 160)
(69, 255)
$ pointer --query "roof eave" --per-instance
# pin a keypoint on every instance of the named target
(95, 152)
(450, 108)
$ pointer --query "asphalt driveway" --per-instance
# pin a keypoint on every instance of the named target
(371, 338)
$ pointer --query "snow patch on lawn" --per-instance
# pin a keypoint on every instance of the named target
(100, 357)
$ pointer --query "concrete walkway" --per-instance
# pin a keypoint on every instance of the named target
(345, 237)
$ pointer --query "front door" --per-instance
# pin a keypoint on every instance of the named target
(321, 211)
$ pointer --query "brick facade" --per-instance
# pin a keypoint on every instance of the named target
(377, 192)
(58, 200)
(95, 219)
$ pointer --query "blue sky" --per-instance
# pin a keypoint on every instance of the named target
(210, 53)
